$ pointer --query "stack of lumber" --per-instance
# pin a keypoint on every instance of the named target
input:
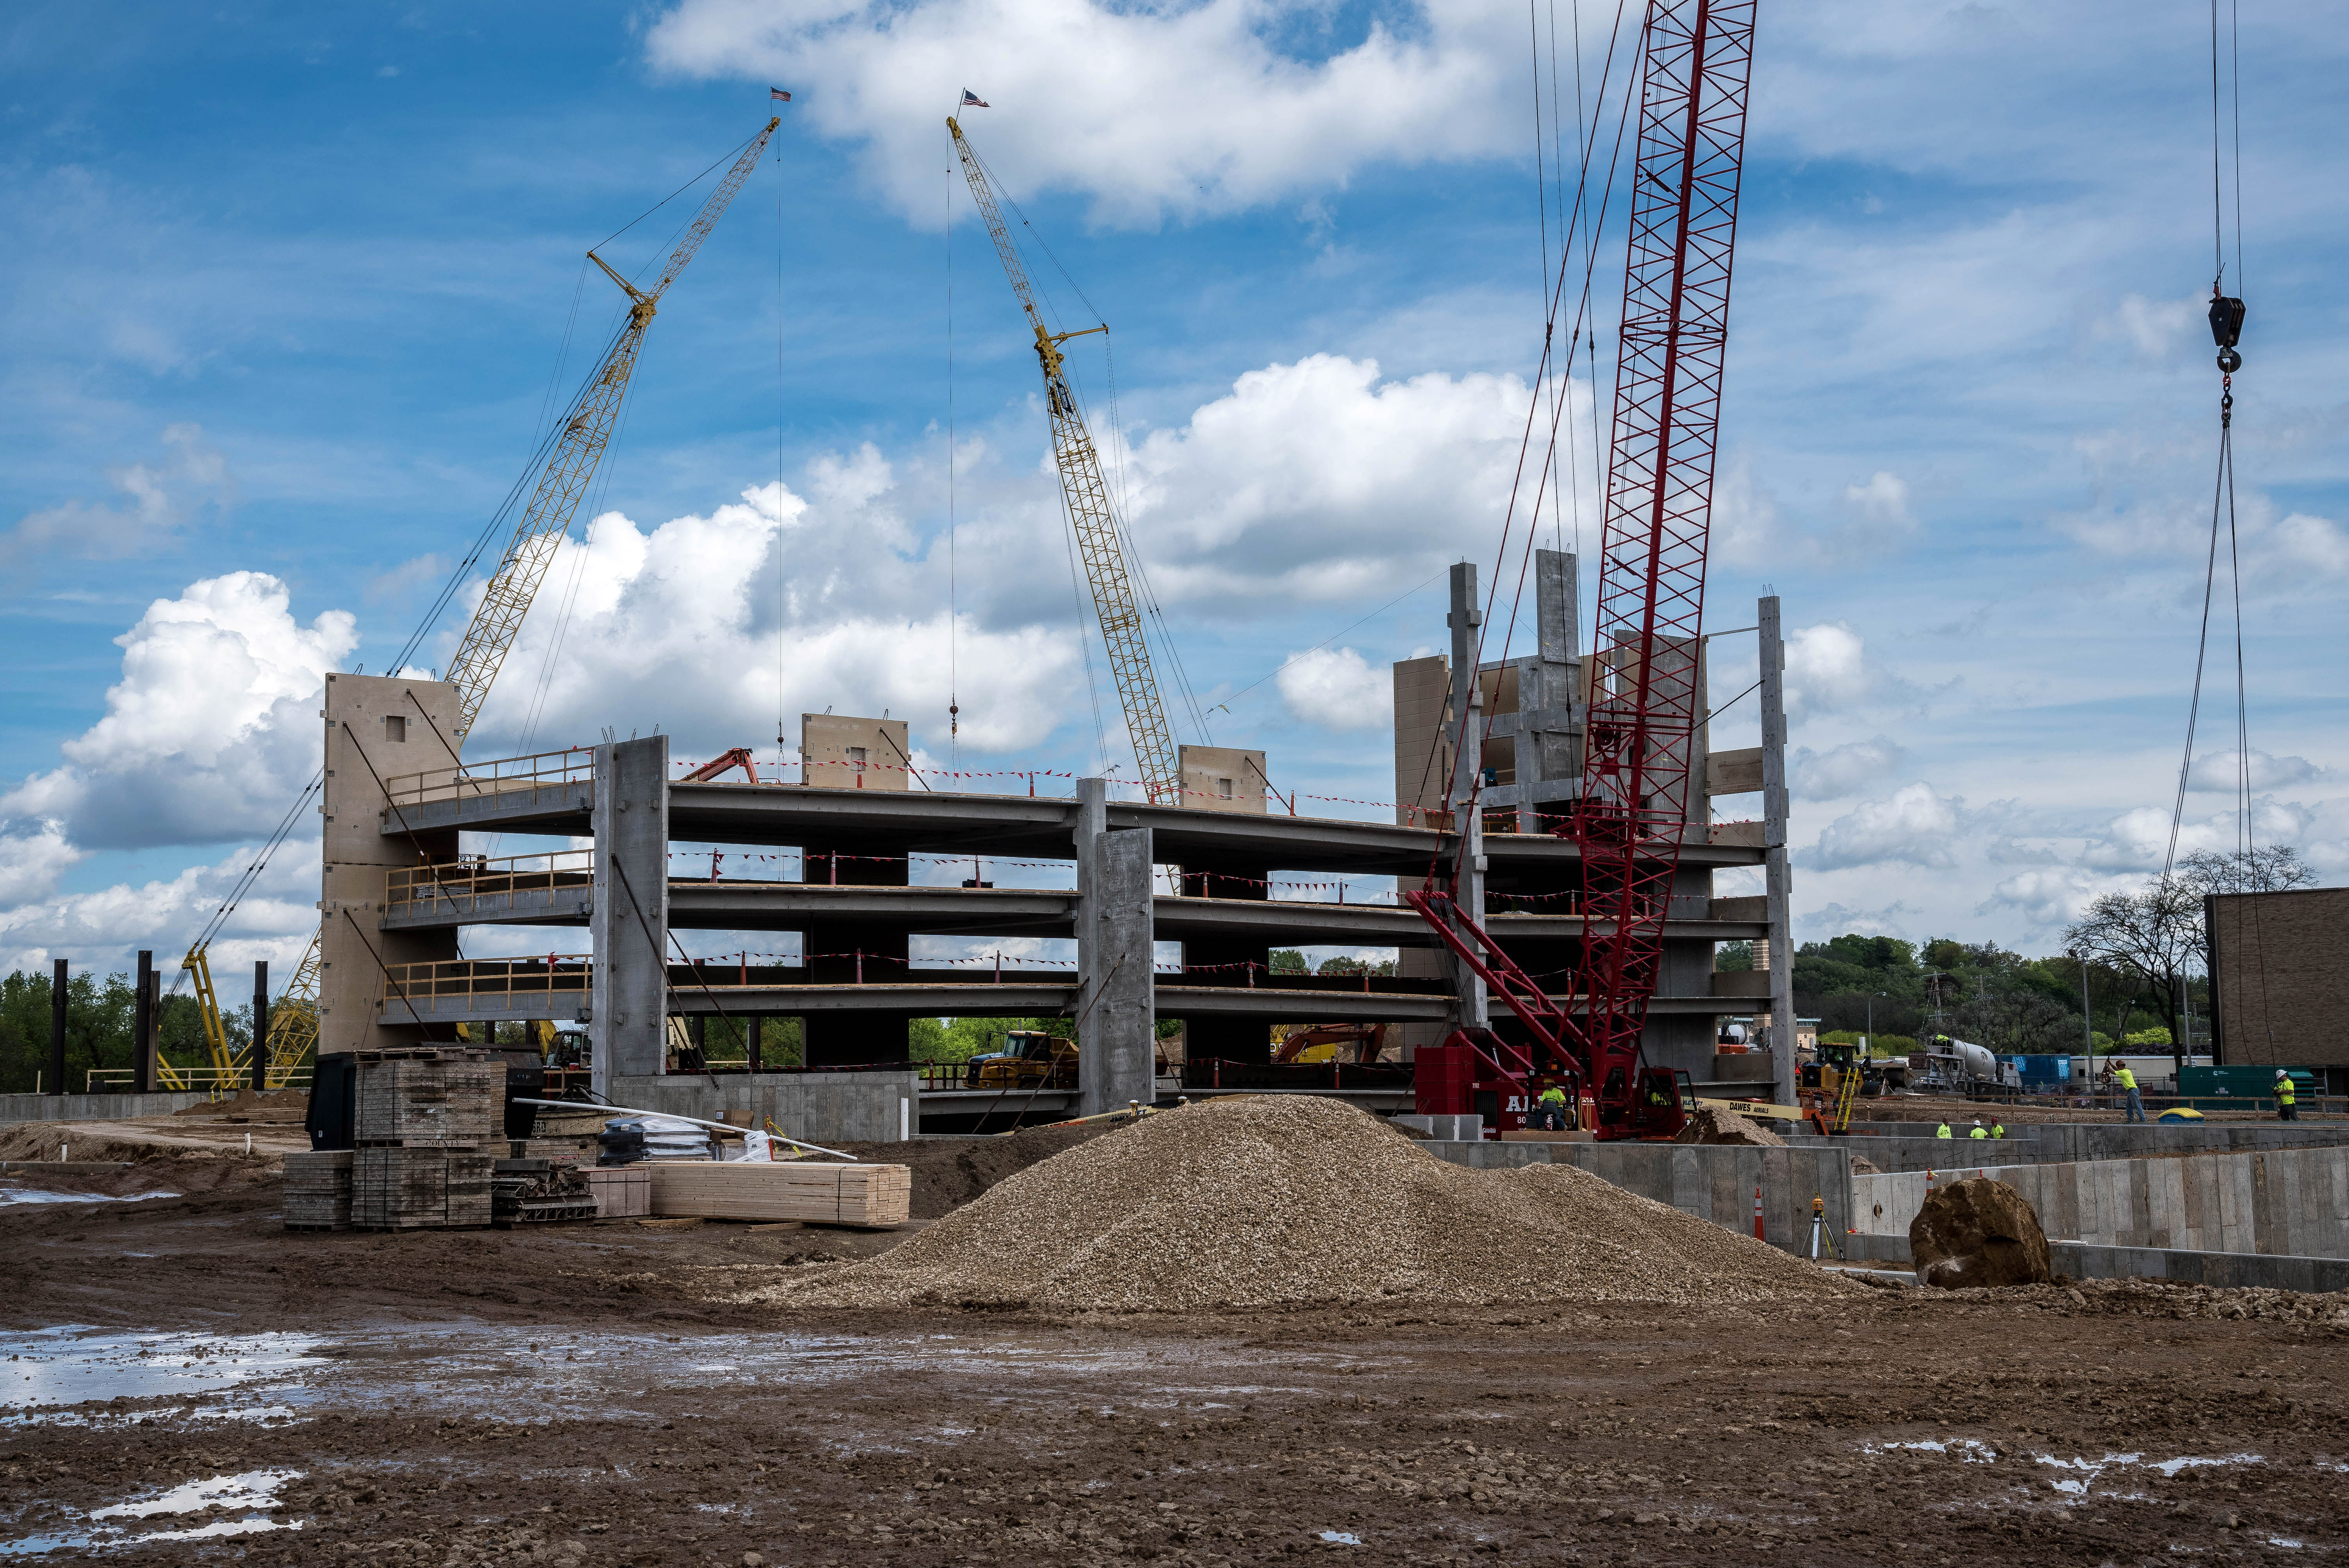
(451, 1096)
(318, 1192)
(871, 1195)
(622, 1192)
(428, 1121)
(404, 1189)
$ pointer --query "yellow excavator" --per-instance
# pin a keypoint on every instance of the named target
(587, 430)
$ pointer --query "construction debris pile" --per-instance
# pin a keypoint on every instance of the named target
(1300, 1202)
(1708, 1125)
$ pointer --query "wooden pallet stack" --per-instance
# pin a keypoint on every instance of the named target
(867, 1195)
(428, 1122)
(622, 1192)
(317, 1193)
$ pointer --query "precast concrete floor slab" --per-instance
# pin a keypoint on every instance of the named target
(187, 1381)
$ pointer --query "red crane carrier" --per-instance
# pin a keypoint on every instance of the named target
(1646, 709)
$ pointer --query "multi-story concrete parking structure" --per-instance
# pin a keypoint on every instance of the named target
(1143, 885)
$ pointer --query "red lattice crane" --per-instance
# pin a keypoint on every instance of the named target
(1646, 709)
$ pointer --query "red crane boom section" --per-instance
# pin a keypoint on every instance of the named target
(1647, 707)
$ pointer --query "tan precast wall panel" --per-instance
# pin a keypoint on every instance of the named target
(2278, 959)
(375, 730)
(1423, 693)
(840, 752)
(1734, 772)
(1221, 778)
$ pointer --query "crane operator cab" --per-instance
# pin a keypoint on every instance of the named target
(1662, 1105)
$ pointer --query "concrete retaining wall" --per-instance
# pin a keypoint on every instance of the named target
(2283, 1202)
(823, 1108)
(91, 1107)
(1712, 1181)
(2085, 1260)
(2068, 1142)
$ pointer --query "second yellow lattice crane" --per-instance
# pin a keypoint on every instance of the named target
(1090, 514)
(561, 485)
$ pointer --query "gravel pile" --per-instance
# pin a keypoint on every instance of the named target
(1294, 1201)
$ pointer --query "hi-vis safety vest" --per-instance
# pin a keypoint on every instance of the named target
(1979, 1132)
(1553, 1096)
(2125, 1077)
(2286, 1091)
(1944, 1132)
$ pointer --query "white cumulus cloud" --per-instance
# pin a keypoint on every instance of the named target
(1913, 826)
(1150, 110)
(1338, 689)
(213, 729)
(1845, 770)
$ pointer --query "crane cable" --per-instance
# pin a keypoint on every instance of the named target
(2226, 326)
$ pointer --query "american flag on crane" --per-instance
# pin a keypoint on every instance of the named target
(779, 93)
(972, 100)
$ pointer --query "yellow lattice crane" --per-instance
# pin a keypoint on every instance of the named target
(561, 485)
(1090, 514)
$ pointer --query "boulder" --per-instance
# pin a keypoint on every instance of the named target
(1706, 1125)
(1978, 1232)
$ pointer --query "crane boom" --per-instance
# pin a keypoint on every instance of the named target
(586, 431)
(1646, 715)
(1090, 514)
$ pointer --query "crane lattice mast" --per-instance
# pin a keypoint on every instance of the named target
(1647, 707)
(497, 619)
(1090, 514)
(587, 430)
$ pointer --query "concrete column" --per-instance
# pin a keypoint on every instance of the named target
(1545, 682)
(1777, 878)
(376, 733)
(58, 979)
(1468, 732)
(142, 1026)
(257, 1074)
(1117, 1018)
(628, 996)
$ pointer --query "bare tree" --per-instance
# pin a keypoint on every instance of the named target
(2157, 936)
(2272, 868)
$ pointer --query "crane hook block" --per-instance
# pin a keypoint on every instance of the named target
(2226, 321)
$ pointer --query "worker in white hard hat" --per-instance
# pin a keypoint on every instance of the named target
(2287, 1096)
(1980, 1130)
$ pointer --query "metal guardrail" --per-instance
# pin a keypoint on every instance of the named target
(556, 975)
(487, 781)
(216, 1082)
(462, 885)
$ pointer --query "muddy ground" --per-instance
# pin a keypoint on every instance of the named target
(574, 1395)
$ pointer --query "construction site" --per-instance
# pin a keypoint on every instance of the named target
(1527, 1229)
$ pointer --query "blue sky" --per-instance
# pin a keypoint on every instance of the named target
(286, 288)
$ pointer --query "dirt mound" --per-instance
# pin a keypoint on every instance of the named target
(282, 1105)
(1980, 1233)
(1296, 1201)
(183, 1166)
(1862, 1165)
(951, 1171)
(1707, 1125)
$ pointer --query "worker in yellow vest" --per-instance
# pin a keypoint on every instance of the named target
(1549, 1112)
(2287, 1096)
(1980, 1130)
(2128, 1080)
(1944, 1132)
(1998, 1129)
